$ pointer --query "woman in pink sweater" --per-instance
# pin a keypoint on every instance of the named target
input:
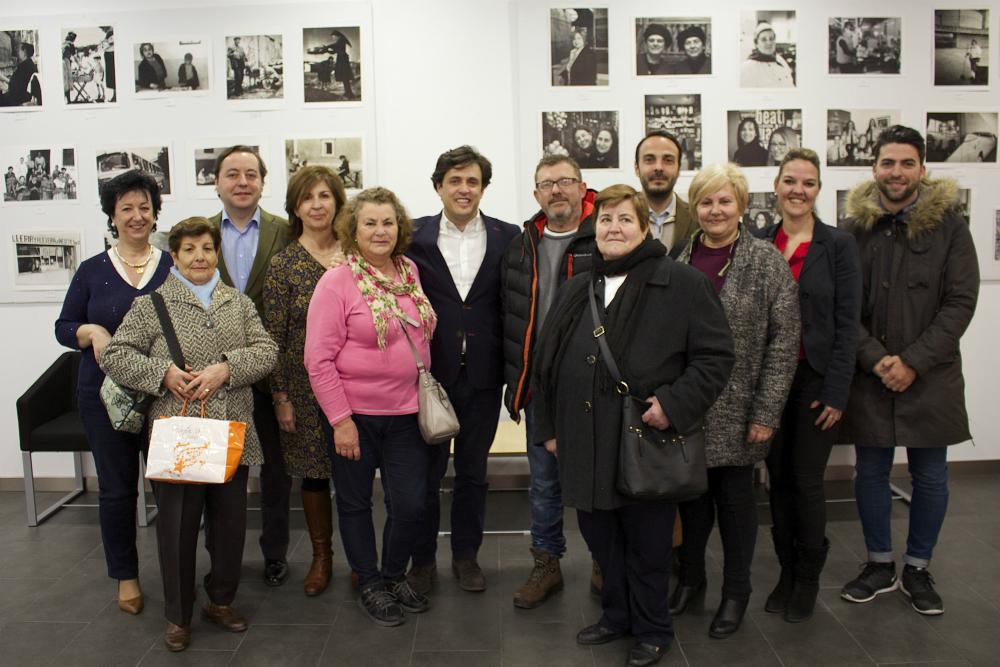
(364, 376)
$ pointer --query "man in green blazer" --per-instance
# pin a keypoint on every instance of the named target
(250, 238)
(658, 164)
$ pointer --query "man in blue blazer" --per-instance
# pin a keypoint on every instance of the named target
(458, 253)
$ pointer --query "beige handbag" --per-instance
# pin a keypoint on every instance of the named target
(435, 414)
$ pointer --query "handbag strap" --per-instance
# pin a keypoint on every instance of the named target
(620, 385)
(413, 348)
(168, 330)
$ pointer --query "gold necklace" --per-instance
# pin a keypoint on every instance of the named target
(141, 266)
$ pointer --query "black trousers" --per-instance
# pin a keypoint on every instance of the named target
(478, 413)
(275, 483)
(730, 493)
(181, 507)
(796, 464)
(632, 544)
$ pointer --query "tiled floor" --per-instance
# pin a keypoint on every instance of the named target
(57, 606)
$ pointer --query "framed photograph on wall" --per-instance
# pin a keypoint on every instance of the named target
(579, 46)
(673, 46)
(961, 137)
(864, 45)
(43, 260)
(962, 47)
(762, 137)
(88, 66)
(151, 160)
(39, 174)
(20, 79)
(255, 67)
(331, 64)
(767, 49)
(851, 135)
(168, 67)
(589, 137)
(761, 208)
(680, 115)
(344, 155)
(203, 154)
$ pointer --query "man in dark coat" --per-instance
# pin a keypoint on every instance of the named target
(557, 243)
(458, 253)
(921, 281)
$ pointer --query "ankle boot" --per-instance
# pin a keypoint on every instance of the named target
(784, 548)
(808, 567)
(319, 519)
(544, 580)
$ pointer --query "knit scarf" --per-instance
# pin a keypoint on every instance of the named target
(380, 294)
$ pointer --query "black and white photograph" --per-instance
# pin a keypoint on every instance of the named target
(203, 160)
(88, 66)
(589, 137)
(965, 204)
(254, 67)
(172, 67)
(767, 49)
(961, 47)
(680, 115)
(762, 137)
(842, 208)
(20, 82)
(152, 160)
(761, 208)
(33, 174)
(341, 154)
(44, 260)
(962, 137)
(579, 46)
(331, 64)
(673, 46)
(864, 45)
(851, 135)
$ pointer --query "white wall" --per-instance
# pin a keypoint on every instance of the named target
(445, 72)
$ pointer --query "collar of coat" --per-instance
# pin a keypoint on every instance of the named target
(937, 196)
(175, 291)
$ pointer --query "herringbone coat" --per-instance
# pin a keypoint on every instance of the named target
(230, 330)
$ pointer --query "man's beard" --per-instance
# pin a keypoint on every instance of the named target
(903, 196)
(659, 191)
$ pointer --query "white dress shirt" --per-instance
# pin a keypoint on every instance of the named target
(463, 251)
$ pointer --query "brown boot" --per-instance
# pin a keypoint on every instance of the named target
(319, 519)
(544, 580)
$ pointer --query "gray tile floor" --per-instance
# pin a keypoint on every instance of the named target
(57, 606)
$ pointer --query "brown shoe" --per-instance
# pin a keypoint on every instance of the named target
(596, 580)
(224, 616)
(132, 605)
(422, 578)
(544, 580)
(177, 637)
(470, 575)
(319, 519)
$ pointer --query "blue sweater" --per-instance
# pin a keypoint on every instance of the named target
(98, 295)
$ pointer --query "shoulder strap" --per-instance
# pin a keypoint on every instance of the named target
(609, 361)
(413, 348)
(168, 330)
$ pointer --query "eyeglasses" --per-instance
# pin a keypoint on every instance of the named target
(545, 186)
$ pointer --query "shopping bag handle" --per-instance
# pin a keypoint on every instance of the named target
(185, 405)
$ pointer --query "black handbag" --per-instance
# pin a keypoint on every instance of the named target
(653, 464)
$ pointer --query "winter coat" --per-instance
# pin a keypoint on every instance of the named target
(920, 284)
(762, 306)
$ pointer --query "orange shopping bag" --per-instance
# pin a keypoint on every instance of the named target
(194, 450)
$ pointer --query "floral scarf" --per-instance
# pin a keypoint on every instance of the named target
(380, 294)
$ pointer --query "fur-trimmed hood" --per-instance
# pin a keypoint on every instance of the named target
(937, 197)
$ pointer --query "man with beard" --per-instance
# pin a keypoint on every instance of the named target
(921, 282)
(657, 164)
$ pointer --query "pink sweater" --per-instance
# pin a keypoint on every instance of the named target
(348, 372)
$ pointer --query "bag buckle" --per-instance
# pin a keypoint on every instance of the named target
(622, 388)
(599, 331)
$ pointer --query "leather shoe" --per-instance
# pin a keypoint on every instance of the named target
(131, 605)
(597, 634)
(684, 595)
(275, 572)
(177, 637)
(727, 620)
(224, 616)
(643, 654)
(470, 575)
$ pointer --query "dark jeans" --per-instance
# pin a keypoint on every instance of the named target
(478, 411)
(796, 464)
(116, 457)
(929, 472)
(545, 494)
(393, 445)
(177, 526)
(632, 545)
(730, 491)
(275, 483)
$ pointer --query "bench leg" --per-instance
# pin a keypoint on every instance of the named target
(145, 518)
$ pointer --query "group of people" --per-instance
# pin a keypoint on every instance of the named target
(31, 180)
(861, 49)
(312, 331)
(750, 152)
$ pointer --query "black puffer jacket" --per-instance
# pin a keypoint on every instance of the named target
(519, 287)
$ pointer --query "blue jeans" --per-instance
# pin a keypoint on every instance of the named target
(545, 494)
(929, 472)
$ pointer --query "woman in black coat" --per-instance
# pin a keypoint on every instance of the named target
(677, 364)
(825, 263)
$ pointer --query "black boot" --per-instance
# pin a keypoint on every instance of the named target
(808, 567)
(728, 619)
(784, 547)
